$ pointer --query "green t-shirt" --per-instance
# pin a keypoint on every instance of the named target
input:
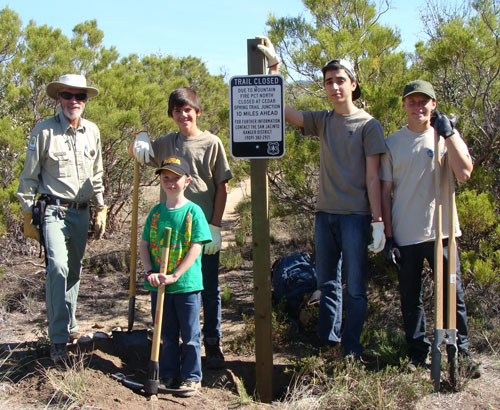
(189, 225)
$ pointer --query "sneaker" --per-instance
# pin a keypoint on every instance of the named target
(365, 358)
(169, 383)
(74, 336)
(416, 364)
(472, 368)
(58, 352)
(188, 388)
(214, 359)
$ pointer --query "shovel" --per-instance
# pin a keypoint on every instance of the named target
(133, 248)
(152, 385)
(136, 338)
(444, 336)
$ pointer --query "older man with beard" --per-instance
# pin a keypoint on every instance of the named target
(62, 174)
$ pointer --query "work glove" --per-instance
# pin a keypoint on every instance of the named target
(442, 124)
(142, 147)
(213, 247)
(268, 49)
(391, 252)
(30, 230)
(378, 237)
(100, 222)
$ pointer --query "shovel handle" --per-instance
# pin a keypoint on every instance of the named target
(451, 311)
(133, 248)
(438, 241)
(155, 349)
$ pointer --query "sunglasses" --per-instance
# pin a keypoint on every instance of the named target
(69, 96)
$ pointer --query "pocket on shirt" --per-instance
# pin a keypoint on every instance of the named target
(59, 164)
(90, 155)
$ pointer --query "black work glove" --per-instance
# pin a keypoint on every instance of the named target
(442, 124)
(391, 252)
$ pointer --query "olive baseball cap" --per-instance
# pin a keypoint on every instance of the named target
(175, 164)
(419, 86)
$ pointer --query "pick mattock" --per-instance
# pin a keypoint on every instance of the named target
(133, 248)
(444, 336)
(151, 385)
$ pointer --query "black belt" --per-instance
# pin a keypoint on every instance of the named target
(68, 204)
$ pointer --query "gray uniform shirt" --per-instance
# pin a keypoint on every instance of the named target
(346, 141)
(409, 165)
(207, 160)
(62, 161)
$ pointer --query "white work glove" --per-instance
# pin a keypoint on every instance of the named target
(378, 237)
(142, 147)
(213, 247)
(268, 49)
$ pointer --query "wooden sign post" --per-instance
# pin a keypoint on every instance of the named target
(261, 254)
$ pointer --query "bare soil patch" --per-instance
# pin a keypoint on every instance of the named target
(103, 307)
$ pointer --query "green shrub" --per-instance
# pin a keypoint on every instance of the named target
(231, 258)
(478, 218)
(225, 296)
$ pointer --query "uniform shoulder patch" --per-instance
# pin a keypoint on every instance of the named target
(32, 144)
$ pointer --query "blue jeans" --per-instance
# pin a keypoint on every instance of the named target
(343, 236)
(181, 314)
(211, 296)
(65, 235)
(412, 306)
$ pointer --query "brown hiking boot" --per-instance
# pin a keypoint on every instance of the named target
(214, 359)
(472, 368)
(59, 353)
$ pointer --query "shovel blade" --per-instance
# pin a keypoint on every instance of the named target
(137, 338)
(131, 384)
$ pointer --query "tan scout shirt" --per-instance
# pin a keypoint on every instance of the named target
(63, 162)
(207, 162)
(409, 165)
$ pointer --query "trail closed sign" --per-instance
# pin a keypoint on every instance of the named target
(257, 116)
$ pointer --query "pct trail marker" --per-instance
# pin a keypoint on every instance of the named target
(257, 116)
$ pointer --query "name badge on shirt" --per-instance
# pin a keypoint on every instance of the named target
(32, 144)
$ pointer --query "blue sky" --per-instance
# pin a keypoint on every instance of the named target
(215, 31)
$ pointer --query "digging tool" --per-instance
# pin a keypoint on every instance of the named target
(444, 336)
(136, 338)
(152, 385)
(133, 248)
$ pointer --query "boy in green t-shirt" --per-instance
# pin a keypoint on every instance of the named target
(183, 281)
(204, 152)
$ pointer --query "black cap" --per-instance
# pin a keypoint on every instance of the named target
(175, 164)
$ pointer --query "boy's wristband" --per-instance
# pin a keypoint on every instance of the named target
(149, 272)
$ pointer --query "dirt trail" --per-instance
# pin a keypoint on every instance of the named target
(235, 196)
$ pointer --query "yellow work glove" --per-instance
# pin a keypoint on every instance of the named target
(30, 230)
(100, 222)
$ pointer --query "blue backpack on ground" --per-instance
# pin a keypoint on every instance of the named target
(293, 276)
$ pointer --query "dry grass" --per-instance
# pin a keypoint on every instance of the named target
(69, 384)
